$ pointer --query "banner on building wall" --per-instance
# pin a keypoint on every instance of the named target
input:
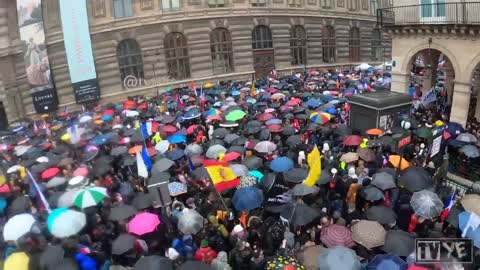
(78, 47)
(37, 66)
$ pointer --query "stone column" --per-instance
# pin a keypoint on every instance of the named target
(400, 82)
(461, 102)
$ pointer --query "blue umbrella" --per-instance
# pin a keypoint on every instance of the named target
(456, 143)
(101, 140)
(175, 154)
(313, 102)
(192, 113)
(472, 234)
(257, 174)
(328, 98)
(177, 138)
(106, 118)
(236, 93)
(247, 198)
(3, 204)
(281, 164)
(455, 128)
(266, 96)
(470, 151)
(334, 102)
(274, 121)
(179, 119)
(387, 261)
(181, 132)
(331, 111)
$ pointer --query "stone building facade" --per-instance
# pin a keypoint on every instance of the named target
(144, 46)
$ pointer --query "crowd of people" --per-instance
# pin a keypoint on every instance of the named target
(262, 174)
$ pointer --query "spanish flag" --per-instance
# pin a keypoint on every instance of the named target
(222, 176)
(253, 91)
(315, 167)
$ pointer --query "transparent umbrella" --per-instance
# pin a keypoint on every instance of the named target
(190, 222)
(426, 204)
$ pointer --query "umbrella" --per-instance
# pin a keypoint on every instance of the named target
(121, 212)
(470, 151)
(455, 128)
(320, 118)
(415, 179)
(366, 154)
(265, 117)
(142, 201)
(51, 256)
(89, 196)
(313, 102)
(295, 175)
(143, 223)
(303, 190)
(177, 139)
(352, 140)
(368, 233)
(281, 164)
(467, 137)
(284, 262)
(335, 235)
(119, 150)
(387, 261)
(63, 222)
(452, 217)
(192, 113)
(309, 256)
(468, 231)
(424, 132)
(81, 171)
(197, 265)
(17, 261)
(247, 181)
(372, 193)
(471, 203)
(265, 147)
(190, 221)
(153, 262)
(273, 121)
(17, 226)
(247, 199)
(220, 133)
(426, 204)
(383, 180)
(398, 161)
(175, 154)
(50, 173)
(349, 157)
(162, 146)
(398, 242)
(162, 165)
(375, 132)
(230, 138)
(296, 213)
(239, 169)
(235, 115)
(253, 162)
(56, 181)
(339, 258)
(193, 150)
(123, 243)
(294, 140)
(382, 214)
(214, 151)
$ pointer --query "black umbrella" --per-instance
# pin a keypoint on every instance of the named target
(388, 170)
(220, 133)
(287, 131)
(19, 205)
(51, 256)
(161, 177)
(253, 162)
(398, 242)
(383, 180)
(452, 216)
(216, 141)
(295, 175)
(175, 154)
(66, 264)
(194, 265)
(264, 135)
(240, 141)
(252, 130)
(101, 168)
(236, 148)
(123, 243)
(142, 201)
(296, 213)
(167, 119)
(200, 173)
(254, 123)
(129, 132)
(294, 140)
(325, 177)
(121, 212)
(119, 150)
(153, 262)
(415, 179)
(342, 130)
(137, 137)
(128, 160)
(382, 214)
(372, 193)
(230, 138)
(162, 165)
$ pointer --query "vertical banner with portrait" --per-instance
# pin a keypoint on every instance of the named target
(78, 47)
(32, 35)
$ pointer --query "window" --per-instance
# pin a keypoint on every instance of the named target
(262, 38)
(216, 3)
(176, 55)
(327, 3)
(221, 49)
(129, 58)
(374, 6)
(432, 8)
(146, 4)
(377, 49)
(122, 8)
(259, 3)
(354, 44)
(170, 5)
(352, 4)
(99, 8)
(328, 44)
(298, 45)
(295, 3)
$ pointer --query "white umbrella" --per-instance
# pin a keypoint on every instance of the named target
(43, 159)
(14, 168)
(21, 149)
(215, 150)
(426, 204)
(162, 146)
(90, 196)
(56, 181)
(18, 226)
(85, 119)
(193, 150)
(63, 222)
(190, 221)
(77, 182)
(364, 66)
(66, 199)
(131, 113)
(239, 169)
(265, 147)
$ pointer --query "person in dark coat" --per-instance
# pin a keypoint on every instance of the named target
(241, 256)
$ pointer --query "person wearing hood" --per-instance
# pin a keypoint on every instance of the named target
(221, 262)
(205, 253)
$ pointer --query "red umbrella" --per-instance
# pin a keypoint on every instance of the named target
(49, 173)
(275, 128)
(143, 106)
(292, 103)
(265, 117)
(191, 129)
(231, 156)
(352, 140)
(129, 104)
(214, 117)
(4, 188)
(336, 235)
(81, 171)
(108, 112)
(169, 129)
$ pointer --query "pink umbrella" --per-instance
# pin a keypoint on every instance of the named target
(143, 223)
(336, 235)
(81, 171)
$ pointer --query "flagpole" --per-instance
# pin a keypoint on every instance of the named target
(42, 197)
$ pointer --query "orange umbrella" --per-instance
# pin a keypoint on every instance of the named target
(395, 161)
(375, 132)
(135, 149)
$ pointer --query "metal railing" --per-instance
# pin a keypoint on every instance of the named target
(468, 169)
(427, 14)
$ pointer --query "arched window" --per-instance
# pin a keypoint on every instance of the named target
(262, 38)
(354, 44)
(176, 55)
(122, 8)
(129, 58)
(328, 44)
(377, 49)
(221, 49)
(298, 45)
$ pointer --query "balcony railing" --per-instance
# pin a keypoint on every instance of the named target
(457, 13)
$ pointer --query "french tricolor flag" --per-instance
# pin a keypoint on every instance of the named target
(448, 205)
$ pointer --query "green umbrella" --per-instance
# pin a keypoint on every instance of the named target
(235, 115)
(424, 132)
(90, 196)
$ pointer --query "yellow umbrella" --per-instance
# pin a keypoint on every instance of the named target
(439, 123)
(17, 261)
(208, 85)
(65, 137)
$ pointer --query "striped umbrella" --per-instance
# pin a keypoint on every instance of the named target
(320, 118)
(336, 235)
(63, 222)
(89, 196)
